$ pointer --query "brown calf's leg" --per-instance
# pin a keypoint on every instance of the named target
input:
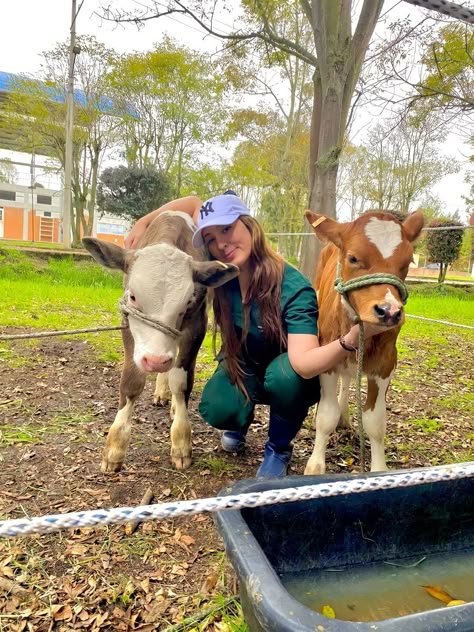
(343, 400)
(326, 421)
(374, 420)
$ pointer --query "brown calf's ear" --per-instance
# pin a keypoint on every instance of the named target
(413, 224)
(107, 254)
(213, 273)
(325, 228)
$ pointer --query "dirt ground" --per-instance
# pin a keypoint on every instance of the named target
(55, 409)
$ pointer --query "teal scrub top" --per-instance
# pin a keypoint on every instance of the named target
(299, 311)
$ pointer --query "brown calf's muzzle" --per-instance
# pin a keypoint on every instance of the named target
(375, 298)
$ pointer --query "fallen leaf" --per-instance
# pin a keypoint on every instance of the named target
(75, 549)
(456, 602)
(328, 611)
(438, 593)
(60, 612)
(209, 584)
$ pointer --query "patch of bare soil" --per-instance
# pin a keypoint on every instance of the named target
(55, 412)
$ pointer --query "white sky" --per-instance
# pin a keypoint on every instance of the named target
(32, 26)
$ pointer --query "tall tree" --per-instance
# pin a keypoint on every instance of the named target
(353, 179)
(8, 172)
(173, 105)
(131, 192)
(336, 55)
(405, 161)
(448, 60)
(41, 103)
(443, 246)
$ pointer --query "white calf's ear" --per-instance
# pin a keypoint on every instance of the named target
(107, 254)
(213, 273)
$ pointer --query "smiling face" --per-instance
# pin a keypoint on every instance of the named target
(231, 243)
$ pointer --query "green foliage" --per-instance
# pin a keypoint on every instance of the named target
(443, 246)
(8, 172)
(35, 113)
(173, 100)
(402, 163)
(449, 60)
(427, 425)
(131, 192)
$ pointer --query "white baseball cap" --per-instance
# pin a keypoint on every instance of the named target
(220, 210)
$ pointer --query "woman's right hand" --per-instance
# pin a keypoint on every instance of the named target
(133, 237)
(370, 330)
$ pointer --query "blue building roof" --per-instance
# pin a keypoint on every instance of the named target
(8, 81)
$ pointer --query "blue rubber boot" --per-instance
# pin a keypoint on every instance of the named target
(275, 461)
(278, 449)
(233, 441)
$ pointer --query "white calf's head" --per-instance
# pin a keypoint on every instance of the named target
(161, 284)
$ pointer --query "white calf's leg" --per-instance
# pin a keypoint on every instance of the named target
(118, 439)
(180, 428)
(343, 400)
(326, 422)
(162, 394)
(374, 420)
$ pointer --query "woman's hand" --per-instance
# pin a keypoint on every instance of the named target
(133, 237)
(370, 330)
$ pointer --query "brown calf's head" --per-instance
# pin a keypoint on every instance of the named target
(374, 243)
(160, 283)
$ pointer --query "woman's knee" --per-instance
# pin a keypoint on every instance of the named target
(286, 389)
(223, 405)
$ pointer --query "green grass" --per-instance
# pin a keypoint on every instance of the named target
(427, 425)
(44, 245)
(216, 465)
(63, 271)
(32, 432)
(59, 295)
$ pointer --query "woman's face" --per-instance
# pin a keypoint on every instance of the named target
(230, 244)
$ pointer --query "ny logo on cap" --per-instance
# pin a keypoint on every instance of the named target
(206, 209)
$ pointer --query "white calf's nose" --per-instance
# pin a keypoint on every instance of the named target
(157, 364)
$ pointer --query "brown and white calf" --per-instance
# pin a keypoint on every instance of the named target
(374, 243)
(166, 280)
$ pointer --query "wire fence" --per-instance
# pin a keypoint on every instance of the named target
(290, 246)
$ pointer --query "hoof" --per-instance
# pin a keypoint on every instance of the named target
(160, 400)
(181, 462)
(110, 466)
(314, 470)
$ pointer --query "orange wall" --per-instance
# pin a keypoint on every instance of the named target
(12, 223)
(13, 227)
(115, 239)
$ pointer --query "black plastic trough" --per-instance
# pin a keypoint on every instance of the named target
(394, 527)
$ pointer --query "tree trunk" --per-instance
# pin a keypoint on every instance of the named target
(340, 57)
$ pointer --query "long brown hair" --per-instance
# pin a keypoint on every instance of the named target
(267, 273)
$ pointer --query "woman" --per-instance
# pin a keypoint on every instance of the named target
(267, 318)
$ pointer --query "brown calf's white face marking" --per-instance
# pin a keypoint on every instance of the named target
(385, 235)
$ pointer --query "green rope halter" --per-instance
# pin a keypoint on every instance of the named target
(371, 279)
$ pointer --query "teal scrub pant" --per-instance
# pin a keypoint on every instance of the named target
(224, 406)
